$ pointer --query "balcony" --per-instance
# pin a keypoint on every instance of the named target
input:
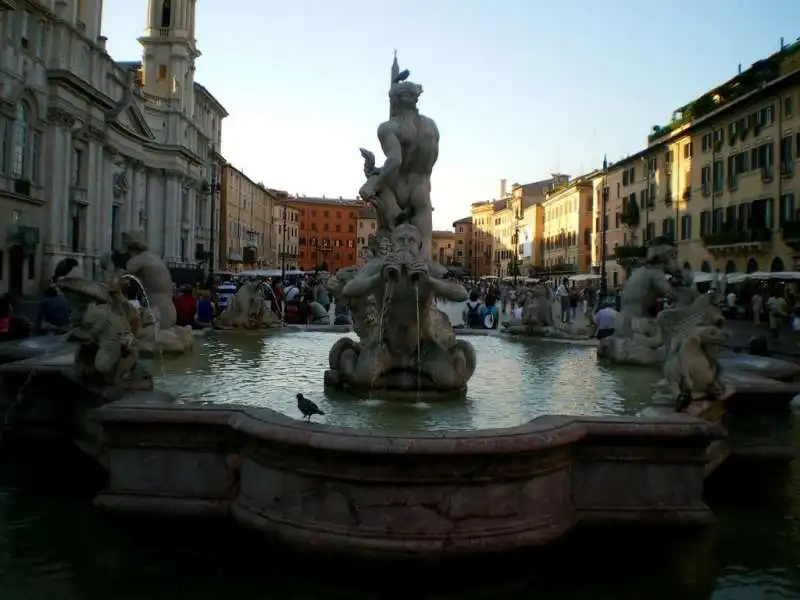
(787, 170)
(668, 198)
(687, 193)
(735, 238)
(7, 5)
(25, 236)
(626, 255)
(766, 174)
(630, 215)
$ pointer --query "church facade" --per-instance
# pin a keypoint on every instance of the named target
(91, 147)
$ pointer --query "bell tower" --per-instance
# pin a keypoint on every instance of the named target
(170, 50)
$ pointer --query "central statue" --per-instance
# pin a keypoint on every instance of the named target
(407, 345)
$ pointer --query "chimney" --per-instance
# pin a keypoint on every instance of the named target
(502, 189)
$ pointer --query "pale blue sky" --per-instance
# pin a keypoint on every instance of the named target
(519, 88)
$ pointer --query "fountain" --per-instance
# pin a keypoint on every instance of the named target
(406, 346)
(644, 340)
(248, 309)
(158, 334)
(503, 474)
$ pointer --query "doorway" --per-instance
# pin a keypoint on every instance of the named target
(16, 264)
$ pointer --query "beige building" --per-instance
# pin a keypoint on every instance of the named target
(482, 237)
(443, 247)
(507, 232)
(463, 253)
(367, 226)
(721, 178)
(246, 210)
(286, 227)
(568, 226)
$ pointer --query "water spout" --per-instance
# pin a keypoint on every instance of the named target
(138, 282)
(280, 305)
(419, 353)
(388, 290)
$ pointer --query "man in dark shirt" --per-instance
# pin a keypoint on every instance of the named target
(53, 312)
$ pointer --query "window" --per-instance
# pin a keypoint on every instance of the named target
(77, 163)
(3, 146)
(706, 142)
(41, 39)
(162, 72)
(788, 106)
(686, 227)
(36, 138)
(719, 175)
(115, 224)
(32, 266)
(687, 150)
(762, 157)
(26, 29)
(786, 151)
(166, 13)
(786, 209)
(22, 125)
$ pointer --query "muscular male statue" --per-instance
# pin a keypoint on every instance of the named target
(410, 142)
(405, 286)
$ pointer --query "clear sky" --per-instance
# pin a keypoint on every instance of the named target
(518, 88)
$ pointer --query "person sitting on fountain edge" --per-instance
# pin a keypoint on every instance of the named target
(490, 315)
(205, 311)
(53, 312)
(185, 308)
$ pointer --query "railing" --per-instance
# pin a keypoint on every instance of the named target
(629, 252)
(732, 235)
(630, 216)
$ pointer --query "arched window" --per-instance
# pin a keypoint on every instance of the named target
(166, 13)
(752, 265)
(20, 142)
(687, 266)
(777, 265)
(705, 267)
(730, 267)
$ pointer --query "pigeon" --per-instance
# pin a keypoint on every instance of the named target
(402, 76)
(307, 407)
(63, 268)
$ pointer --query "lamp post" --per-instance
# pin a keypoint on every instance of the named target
(515, 242)
(283, 236)
(604, 226)
(212, 193)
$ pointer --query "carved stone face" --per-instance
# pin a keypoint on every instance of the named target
(406, 239)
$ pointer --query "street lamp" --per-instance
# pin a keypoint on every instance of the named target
(284, 204)
(604, 226)
(211, 190)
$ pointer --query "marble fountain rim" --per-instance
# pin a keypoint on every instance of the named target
(541, 433)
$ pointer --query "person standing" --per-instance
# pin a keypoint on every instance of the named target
(562, 297)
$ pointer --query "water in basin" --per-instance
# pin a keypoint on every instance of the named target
(515, 381)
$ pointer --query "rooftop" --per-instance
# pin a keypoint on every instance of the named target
(367, 212)
(760, 73)
(301, 198)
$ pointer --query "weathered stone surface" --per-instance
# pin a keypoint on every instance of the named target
(760, 365)
(378, 493)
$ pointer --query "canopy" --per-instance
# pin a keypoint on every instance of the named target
(583, 277)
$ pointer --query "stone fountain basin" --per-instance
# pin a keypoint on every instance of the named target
(378, 494)
(772, 368)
